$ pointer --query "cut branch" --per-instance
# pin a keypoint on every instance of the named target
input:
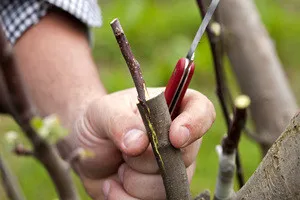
(157, 120)
(132, 63)
(17, 104)
(230, 143)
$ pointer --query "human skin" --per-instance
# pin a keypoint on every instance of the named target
(55, 61)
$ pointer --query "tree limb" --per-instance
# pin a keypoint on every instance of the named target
(157, 120)
(205, 195)
(258, 70)
(222, 91)
(10, 183)
(17, 104)
(278, 175)
(132, 63)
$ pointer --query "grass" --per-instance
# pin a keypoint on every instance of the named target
(160, 32)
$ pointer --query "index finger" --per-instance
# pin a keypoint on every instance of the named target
(197, 115)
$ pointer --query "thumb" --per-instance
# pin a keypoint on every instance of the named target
(115, 117)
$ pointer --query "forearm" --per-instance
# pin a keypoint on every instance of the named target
(56, 64)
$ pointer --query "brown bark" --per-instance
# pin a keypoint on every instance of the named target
(278, 175)
(257, 68)
(9, 182)
(157, 120)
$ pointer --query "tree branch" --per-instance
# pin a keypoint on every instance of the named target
(157, 120)
(257, 68)
(230, 143)
(278, 175)
(205, 195)
(20, 150)
(18, 105)
(215, 41)
(214, 37)
(10, 183)
(132, 63)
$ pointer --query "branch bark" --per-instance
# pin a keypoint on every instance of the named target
(17, 103)
(157, 120)
(257, 68)
(278, 175)
(10, 182)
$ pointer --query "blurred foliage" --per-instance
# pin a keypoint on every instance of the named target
(160, 32)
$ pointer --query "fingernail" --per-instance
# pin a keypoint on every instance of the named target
(184, 135)
(106, 188)
(121, 173)
(131, 138)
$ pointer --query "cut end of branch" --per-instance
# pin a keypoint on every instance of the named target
(215, 28)
(114, 21)
(242, 102)
(117, 28)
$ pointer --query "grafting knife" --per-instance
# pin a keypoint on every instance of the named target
(184, 69)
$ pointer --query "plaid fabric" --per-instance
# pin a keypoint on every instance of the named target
(18, 15)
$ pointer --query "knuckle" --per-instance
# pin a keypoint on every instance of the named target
(212, 110)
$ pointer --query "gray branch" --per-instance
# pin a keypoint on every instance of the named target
(257, 68)
(278, 175)
(9, 182)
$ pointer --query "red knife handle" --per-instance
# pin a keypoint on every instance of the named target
(178, 84)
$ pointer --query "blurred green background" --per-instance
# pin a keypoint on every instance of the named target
(160, 32)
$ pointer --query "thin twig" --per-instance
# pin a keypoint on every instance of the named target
(10, 183)
(132, 63)
(18, 105)
(216, 49)
(20, 150)
(222, 91)
(205, 195)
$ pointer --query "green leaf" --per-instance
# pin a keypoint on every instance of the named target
(37, 123)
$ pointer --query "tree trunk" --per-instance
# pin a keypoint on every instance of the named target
(257, 68)
(278, 175)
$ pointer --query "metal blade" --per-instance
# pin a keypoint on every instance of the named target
(210, 11)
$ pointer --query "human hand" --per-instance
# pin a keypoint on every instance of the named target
(124, 166)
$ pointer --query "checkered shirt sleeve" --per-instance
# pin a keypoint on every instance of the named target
(18, 15)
